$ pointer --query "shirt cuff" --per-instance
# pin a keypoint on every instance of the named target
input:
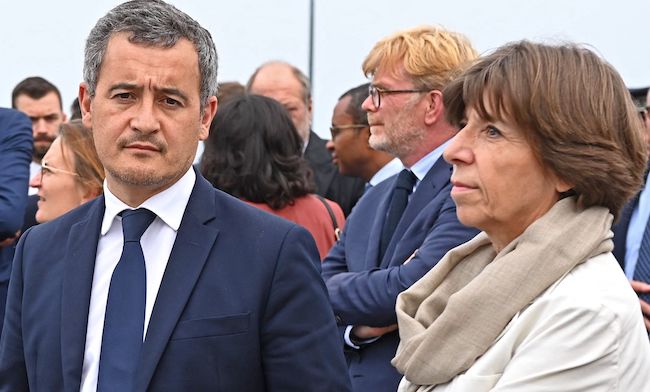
(357, 343)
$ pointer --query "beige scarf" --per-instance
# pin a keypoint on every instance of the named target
(454, 313)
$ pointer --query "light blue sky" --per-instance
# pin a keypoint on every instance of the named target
(46, 38)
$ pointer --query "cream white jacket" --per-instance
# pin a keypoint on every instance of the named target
(584, 333)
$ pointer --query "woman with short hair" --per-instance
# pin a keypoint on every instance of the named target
(549, 151)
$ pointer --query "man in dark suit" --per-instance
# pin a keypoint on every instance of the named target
(289, 86)
(630, 231)
(164, 283)
(15, 155)
(383, 252)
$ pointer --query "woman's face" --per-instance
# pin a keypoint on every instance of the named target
(58, 188)
(498, 184)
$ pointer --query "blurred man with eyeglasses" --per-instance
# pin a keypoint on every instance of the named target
(349, 144)
(380, 253)
(291, 87)
(632, 232)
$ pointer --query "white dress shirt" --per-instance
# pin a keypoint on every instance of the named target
(34, 169)
(388, 170)
(157, 242)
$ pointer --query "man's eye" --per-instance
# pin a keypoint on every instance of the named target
(123, 95)
(171, 102)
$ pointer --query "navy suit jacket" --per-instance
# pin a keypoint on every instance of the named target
(331, 184)
(363, 289)
(16, 145)
(620, 231)
(241, 306)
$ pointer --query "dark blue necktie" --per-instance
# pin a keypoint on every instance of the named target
(124, 320)
(642, 269)
(403, 188)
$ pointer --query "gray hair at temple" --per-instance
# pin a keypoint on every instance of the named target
(151, 23)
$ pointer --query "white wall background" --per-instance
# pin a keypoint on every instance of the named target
(46, 38)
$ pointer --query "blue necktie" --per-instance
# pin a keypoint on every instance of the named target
(642, 269)
(124, 320)
(403, 188)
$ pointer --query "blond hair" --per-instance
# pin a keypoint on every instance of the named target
(431, 55)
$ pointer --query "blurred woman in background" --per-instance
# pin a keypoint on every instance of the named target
(254, 153)
(71, 172)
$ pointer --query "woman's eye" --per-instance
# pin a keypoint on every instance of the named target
(492, 131)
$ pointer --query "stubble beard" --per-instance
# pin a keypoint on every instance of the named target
(400, 138)
(39, 152)
(144, 176)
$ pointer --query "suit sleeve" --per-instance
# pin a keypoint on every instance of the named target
(301, 349)
(368, 297)
(15, 154)
(13, 372)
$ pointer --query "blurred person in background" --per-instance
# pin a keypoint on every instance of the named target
(71, 173)
(254, 153)
(291, 87)
(41, 101)
(349, 145)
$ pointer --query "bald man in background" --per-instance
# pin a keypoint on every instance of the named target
(288, 85)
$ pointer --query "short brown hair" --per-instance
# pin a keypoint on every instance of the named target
(573, 108)
(431, 55)
(79, 141)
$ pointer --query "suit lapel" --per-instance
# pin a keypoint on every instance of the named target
(372, 253)
(435, 180)
(75, 297)
(194, 241)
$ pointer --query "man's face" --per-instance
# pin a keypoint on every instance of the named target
(46, 116)
(278, 82)
(145, 116)
(348, 146)
(396, 126)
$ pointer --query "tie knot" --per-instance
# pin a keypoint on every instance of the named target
(406, 180)
(135, 223)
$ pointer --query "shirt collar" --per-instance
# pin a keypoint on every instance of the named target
(388, 170)
(164, 204)
(422, 167)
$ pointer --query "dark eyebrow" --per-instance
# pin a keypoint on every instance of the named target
(123, 86)
(165, 90)
(174, 91)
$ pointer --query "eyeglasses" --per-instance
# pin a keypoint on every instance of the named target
(337, 130)
(47, 169)
(375, 93)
